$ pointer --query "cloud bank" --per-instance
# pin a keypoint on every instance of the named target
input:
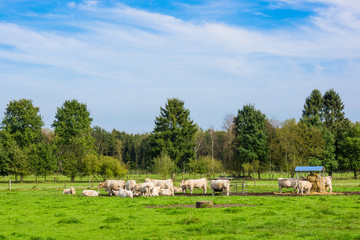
(124, 62)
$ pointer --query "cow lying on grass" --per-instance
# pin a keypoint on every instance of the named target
(124, 193)
(89, 193)
(69, 191)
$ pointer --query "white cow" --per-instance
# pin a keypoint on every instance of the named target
(69, 191)
(193, 183)
(130, 185)
(328, 183)
(287, 183)
(166, 192)
(155, 191)
(144, 188)
(177, 189)
(112, 185)
(220, 186)
(304, 185)
(164, 184)
(125, 193)
(90, 193)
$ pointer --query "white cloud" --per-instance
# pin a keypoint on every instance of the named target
(125, 62)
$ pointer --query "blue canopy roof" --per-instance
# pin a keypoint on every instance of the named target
(309, 168)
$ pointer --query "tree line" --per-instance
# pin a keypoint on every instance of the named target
(248, 143)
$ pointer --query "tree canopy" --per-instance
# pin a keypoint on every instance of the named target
(174, 133)
(73, 140)
(251, 135)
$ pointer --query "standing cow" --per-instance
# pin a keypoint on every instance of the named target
(220, 186)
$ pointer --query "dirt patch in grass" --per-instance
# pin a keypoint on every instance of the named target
(194, 205)
(285, 194)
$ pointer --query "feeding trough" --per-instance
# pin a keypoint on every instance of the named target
(321, 176)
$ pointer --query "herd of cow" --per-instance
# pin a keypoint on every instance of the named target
(153, 187)
(304, 184)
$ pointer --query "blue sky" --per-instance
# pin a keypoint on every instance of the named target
(124, 59)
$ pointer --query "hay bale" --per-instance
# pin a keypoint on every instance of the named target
(314, 179)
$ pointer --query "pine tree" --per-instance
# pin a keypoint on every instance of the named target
(174, 133)
(313, 108)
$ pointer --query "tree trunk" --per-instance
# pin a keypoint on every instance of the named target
(259, 177)
(355, 176)
(72, 178)
(21, 178)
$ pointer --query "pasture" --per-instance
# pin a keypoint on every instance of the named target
(39, 211)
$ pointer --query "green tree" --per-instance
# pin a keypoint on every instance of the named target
(42, 160)
(73, 140)
(23, 122)
(21, 126)
(333, 110)
(164, 165)
(352, 147)
(313, 108)
(250, 136)
(329, 161)
(111, 167)
(174, 133)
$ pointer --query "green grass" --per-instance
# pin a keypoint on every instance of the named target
(48, 214)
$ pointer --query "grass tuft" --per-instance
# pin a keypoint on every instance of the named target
(69, 221)
(190, 220)
(113, 219)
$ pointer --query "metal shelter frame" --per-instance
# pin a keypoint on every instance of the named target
(320, 169)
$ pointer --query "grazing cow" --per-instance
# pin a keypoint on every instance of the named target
(194, 183)
(287, 183)
(90, 193)
(304, 185)
(177, 189)
(144, 188)
(166, 192)
(125, 193)
(69, 191)
(164, 184)
(130, 185)
(328, 183)
(220, 186)
(112, 185)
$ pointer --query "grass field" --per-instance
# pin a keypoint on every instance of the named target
(40, 211)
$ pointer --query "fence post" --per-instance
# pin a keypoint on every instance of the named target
(242, 187)
(236, 187)
(10, 185)
(89, 184)
(65, 184)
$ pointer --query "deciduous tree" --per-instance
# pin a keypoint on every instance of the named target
(73, 140)
(250, 136)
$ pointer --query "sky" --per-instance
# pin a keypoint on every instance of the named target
(124, 59)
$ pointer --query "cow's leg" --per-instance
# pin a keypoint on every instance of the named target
(280, 189)
(191, 190)
(213, 192)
